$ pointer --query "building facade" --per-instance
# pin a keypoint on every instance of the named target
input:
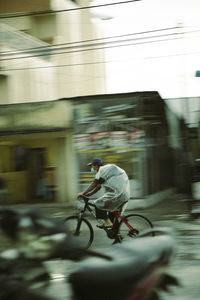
(48, 56)
(44, 57)
(45, 146)
(37, 159)
(130, 130)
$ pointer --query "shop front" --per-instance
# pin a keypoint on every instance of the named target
(129, 130)
(36, 154)
(109, 127)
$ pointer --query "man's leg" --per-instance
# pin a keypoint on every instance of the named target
(103, 215)
(108, 222)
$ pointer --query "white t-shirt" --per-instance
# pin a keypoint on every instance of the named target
(116, 184)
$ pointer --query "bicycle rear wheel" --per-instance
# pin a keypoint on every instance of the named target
(138, 223)
(82, 228)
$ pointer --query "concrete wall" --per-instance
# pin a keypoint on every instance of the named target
(22, 5)
(22, 24)
(4, 91)
(16, 185)
(66, 177)
(64, 75)
(16, 182)
(27, 79)
(44, 27)
(19, 124)
(58, 154)
(79, 74)
(42, 116)
(174, 129)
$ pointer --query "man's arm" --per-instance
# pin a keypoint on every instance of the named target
(95, 190)
(91, 187)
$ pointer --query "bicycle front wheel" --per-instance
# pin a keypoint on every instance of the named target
(82, 228)
(136, 224)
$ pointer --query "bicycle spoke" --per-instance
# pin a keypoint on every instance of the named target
(81, 228)
(137, 224)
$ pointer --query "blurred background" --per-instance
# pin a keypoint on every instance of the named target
(119, 80)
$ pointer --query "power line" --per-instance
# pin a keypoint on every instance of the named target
(99, 44)
(98, 48)
(43, 12)
(49, 47)
(97, 62)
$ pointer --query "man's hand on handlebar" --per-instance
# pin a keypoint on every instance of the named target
(80, 195)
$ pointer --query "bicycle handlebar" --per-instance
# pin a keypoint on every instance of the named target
(86, 199)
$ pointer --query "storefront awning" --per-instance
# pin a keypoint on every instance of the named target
(36, 117)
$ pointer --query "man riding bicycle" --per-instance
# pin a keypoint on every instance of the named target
(115, 182)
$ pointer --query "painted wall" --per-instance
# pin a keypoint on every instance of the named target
(22, 5)
(43, 116)
(50, 146)
(77, 73)
(16, 182)
(16, 185)
(44, 27)
(28, 79)
(4, 91)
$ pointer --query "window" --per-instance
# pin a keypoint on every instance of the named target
(4, 95)
(20, 158)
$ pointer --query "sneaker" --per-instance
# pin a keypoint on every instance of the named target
(106, 228)
(100, 222)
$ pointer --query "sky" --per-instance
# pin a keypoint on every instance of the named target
(164, 58)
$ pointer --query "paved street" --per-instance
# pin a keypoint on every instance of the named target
(173, 213)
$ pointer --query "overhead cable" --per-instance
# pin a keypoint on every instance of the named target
(104, 47)
(79, 47)
(45, 12)
(49, 47)
(97, 62)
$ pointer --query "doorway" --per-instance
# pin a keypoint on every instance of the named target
(35, 166)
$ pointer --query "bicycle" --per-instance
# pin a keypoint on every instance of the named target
(124, 226)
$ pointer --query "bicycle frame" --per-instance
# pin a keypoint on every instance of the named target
(117, 215)
(87, 207)
(123, 225)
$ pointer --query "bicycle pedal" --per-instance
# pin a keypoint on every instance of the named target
(110, 233)
(99, 226)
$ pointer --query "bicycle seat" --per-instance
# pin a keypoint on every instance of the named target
(120, 208)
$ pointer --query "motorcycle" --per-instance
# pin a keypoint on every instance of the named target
(133, 270)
